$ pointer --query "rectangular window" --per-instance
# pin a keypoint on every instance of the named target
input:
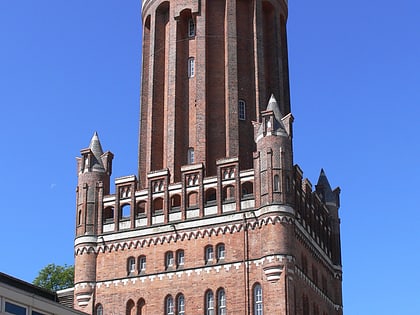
(191, 28)
(37, 313)
(191, 67)
(12, 308)
(241, 110)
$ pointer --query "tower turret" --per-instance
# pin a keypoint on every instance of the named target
(331, 198)
(273, 160)
(94, 170)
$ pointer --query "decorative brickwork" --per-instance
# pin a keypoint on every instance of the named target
(219, 219)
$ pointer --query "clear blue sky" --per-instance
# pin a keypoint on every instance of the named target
(69, 68)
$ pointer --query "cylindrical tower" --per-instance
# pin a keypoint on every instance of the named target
(94, 171)
(209, 68)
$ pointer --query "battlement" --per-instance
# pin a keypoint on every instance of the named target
(197, 197)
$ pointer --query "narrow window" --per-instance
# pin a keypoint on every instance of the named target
(258, 302)
(181, 305)
(209, 303)
(220, 252)
(276, 183)
(191, 28)
(241, 110)
(131, 265)
(169, 259)
(191, 67)
(80, 217)
(99, 310)
(190, 156)
(169, 307)
(142, 263)
(209, 254)
(180, 258)
(221, 302)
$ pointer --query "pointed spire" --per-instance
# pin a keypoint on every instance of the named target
(274, 106)
(96, 148)
(323, 188)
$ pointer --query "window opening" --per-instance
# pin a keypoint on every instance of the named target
(241, 110)
(209, 254)
(209, 303)
(191, 27)
(181, 305)
(169, 305)
(220, 251)
(190, 158)
(180, 258)
(191, 67)
(258, 302)
(221, 302)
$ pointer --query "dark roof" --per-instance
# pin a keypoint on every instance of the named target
(27, 287)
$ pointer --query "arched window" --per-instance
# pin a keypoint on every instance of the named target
(209, 303)
(210, 195)
(180, 304)
(228, 193)
(157, 206)
(140, 306)
(258, 301)
(191, 27)
(220, 251)
(190, 156)
(191, 67)
(276, 183)
(208, 252)
(169, 305)
(247, 190)
(131, 265)
(125, 211)
(79, 220)
(99, 310)
(180, 258)
(241, 110)
(142, 263)
(141, 209)
(108, 214)
(175, 201)
(130, 308)
(169, 260)
(221, 302)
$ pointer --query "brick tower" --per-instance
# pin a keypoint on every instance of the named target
(219, 219)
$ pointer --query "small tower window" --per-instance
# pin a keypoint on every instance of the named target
(191, 67)
(276, 183)
(99, 310)
(258, 302)
(142, 263)
(169, 305)
(241, 110)
(180, 258)
(221, 302)
(209, 254)
(181, 304)
(169, 259)
(190, 156)
(220, 249)
(191, 28)
(209, 303)
(131, 265)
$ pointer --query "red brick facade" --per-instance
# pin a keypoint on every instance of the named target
(219, 219)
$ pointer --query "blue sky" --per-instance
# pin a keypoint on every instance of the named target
(69, 68)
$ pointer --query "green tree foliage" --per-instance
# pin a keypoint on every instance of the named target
(53, 277)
